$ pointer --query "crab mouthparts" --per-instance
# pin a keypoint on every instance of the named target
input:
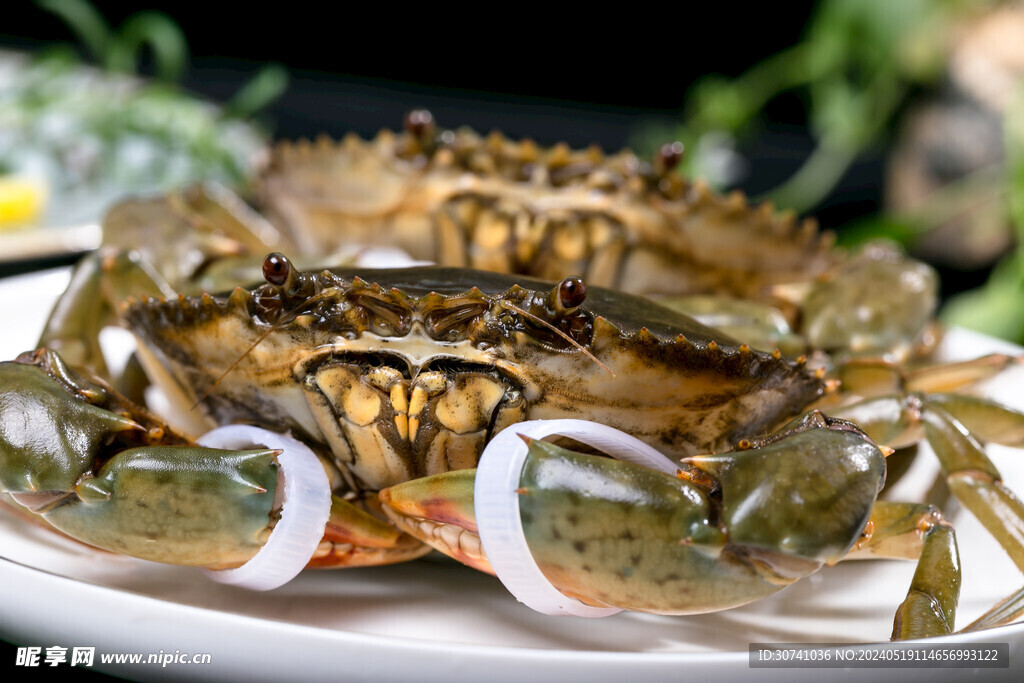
(389, 420)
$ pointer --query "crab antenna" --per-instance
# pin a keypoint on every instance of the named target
(232, 367)
(561, 334)
(284, 319)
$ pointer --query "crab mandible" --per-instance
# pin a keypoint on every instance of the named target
(407, 383)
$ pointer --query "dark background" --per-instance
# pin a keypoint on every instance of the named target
(589, 77)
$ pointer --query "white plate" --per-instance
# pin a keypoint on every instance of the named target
(434, 620)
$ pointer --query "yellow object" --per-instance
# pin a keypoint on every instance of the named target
(22, 201)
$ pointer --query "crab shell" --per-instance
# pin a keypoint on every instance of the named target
(459, 199)
(414, 379)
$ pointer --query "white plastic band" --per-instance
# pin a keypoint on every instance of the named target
(304, 512)
(497, 506)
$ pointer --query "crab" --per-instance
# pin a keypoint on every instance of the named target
(454, 198)
(397, 380)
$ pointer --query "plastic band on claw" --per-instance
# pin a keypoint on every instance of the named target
(497, 506)
(304, 512)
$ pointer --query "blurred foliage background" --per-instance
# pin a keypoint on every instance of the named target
(74, 138)
(896, 120)
(934, 87)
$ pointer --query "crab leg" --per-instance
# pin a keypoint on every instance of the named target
(871, 378)
(98, 282)
(953, 425)
(930, 607)
(1008, 609)
(917, 532)
(104, 471)
(975, 481)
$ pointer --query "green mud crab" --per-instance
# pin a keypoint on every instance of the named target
(398, 379)
(454, 198)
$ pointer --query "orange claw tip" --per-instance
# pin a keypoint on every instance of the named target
(711, 463)
(117, 422)
(446, 498)
(886, 450)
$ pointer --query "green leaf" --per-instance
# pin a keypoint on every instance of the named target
(1013, 136)
(161, 34)
(901, 230)
(993, 309)
(267, 85)
(85, 22)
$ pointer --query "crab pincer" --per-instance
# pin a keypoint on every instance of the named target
(75, 453)
(725, 530)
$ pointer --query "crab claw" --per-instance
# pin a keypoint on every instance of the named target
(438, 510)
(48, 440)
(729, 530)
(108, 473)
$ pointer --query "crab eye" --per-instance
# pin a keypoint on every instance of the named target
(571, 293)
(419, 123)
(277, 269)
(669, 155)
